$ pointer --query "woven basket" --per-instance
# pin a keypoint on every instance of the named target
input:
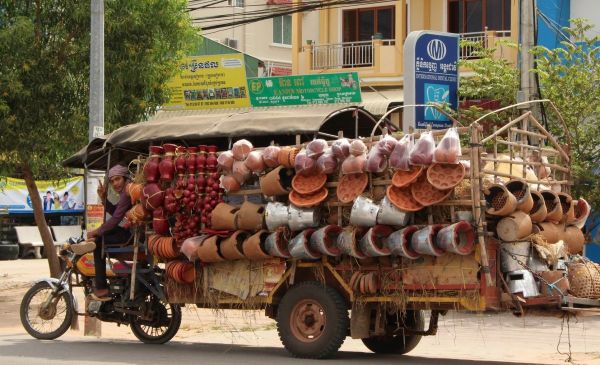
(585, 280)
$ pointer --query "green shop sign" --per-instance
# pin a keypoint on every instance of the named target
(305, 89)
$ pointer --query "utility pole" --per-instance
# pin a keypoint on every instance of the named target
(96, 114)
(527, 90)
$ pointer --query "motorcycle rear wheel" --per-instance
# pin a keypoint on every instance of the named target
(46, 323)
(160, 329)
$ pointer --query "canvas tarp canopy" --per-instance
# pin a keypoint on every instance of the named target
(260, 126)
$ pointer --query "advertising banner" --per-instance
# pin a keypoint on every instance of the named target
(94, 215)
(305, 89)
(64, 196)
(208, 82)
(430, 76)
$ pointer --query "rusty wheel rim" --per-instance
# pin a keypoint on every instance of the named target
(308, 320)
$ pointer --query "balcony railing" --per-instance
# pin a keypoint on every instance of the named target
(345, 55)
(479, 40)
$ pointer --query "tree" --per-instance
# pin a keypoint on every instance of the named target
(44, 85)
(570, 77)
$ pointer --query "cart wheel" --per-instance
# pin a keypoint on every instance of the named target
(312, 320)
(44, 314)
(398, 344)
(162, 327)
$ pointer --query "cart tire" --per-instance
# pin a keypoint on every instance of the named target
(150, 332)
(312, 320)
(398, 344)
(30, 313)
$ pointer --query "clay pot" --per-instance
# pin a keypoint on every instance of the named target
(255, 162)
(230, 184)
(190, 161)
(399, 243)
(241, 172)
(225, 161)
(514, 227)
(223, 217)
(300, 246)
(287, 156)
(443, 176)
(254, 246)
(250, 217)
(551, 232)
(520, 189)
(276, 182)
(558, 279)
(403, 199)
(351, 186)
(426, 194)
(341, 148)
(134, 191)
(137, 214)
(241, 149)
(499, 200)
(180, 159)
(424, 241)
(347, 242)
(270, 156)
(568, 208)
(301, 218)
(324, 240)
(364, 212)
(553, 206)
(208, 251)
(574, 238)
(582, 211)
(309, 184)
(277, 242)
(152, 196)
(308, 200)
(201, 158)
(374, 242)
(231, 247)
(354, 164)
(389, 214)
(166, 167)
(276, 215)
(404, 178)
(151, 173)
(357, 147)
(160, 224)
(538, 211)
(162, 246)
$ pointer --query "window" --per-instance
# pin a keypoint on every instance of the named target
(363, 24)
(282, 29)
(468, 16)
(236, 3)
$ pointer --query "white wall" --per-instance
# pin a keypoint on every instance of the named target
(589, 9)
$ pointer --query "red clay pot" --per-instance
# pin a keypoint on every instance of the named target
(151, 166)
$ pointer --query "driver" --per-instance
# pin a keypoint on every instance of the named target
(113, 229)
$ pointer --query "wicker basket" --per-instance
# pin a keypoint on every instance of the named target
(585, 280)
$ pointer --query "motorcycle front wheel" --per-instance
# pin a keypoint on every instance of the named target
(164, 324)
(44, 314)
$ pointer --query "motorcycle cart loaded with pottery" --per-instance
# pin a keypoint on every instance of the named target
(336, 235)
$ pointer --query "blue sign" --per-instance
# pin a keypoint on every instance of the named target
(430, 77)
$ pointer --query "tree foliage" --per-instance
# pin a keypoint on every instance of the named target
(570, 77)
(44, 73)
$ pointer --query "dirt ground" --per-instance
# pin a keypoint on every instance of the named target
(478, 337)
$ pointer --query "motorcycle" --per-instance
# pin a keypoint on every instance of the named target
(49, 306)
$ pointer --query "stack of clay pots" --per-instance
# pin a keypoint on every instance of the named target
(522, 211)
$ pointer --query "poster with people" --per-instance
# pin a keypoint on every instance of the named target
(63, 196)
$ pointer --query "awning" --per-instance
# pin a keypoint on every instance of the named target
(378, 102)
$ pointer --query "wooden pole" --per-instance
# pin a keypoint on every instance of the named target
(478, 213)
(135, 251)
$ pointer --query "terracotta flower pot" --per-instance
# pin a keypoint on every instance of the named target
(520, 189)
(270, 156)
(208, 251)
(276, 244)
(250, 217)
(151, 173)
(255, 162)
(574, 238)
(134, 190)
(351, 186)
(553, 206)
(300, 246)
(424, 241)
(551, 232)
(152, 196)
(190, 161)
(180, 159)
(324, 240)
(225, 161)
(444, 176)
(348, 240)
(399, 243)
(514, 227)
(254, 246)
(231, 247)
(160, 224)
(211, 158)
(166, 166)
(230, 183)
(568, 208)
(223, 217)
(500, 201)
(276, 182)
(538, 211)
(201, 158)
(276, 215)
(374, 242)
(582, 211)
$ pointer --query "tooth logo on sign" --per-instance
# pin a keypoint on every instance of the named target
(436, 49)
(438, 94)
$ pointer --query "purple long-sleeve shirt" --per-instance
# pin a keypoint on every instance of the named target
(117, 213)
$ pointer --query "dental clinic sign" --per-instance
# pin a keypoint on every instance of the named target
(430, 76)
